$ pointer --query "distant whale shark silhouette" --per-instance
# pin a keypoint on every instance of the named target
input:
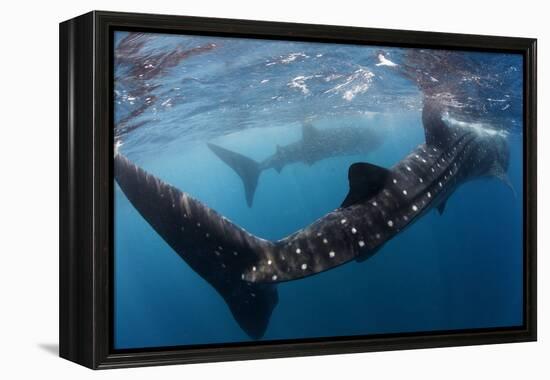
(244, 269)
(316, 144)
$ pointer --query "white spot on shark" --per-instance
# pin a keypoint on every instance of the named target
(343, 221)
(304, 266)
(394, 180)
(414, 208)
(253, 269)
(390, 223)
(298, 250)
(429, 194)
(325, 241)
(361, 243)
(274, 278)
(353, 230)
(374, 204)
(269, 262)
(331, 254)
(405, 192)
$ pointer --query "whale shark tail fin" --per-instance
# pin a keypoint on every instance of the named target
(215, 248)
(246, 168)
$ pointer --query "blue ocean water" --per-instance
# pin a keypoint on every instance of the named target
(173, 94)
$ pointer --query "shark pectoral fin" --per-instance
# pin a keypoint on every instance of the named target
(436, 132)
(498, 172)
(368, 255)
(504, 178)
(365, 181)
(441, 207)
(246, 168)
(508, 183)
(215, 248)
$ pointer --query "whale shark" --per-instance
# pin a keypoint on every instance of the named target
(316, 144)
(381, 203)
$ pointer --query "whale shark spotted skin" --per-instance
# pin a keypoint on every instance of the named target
(315, 145)
(244, 268)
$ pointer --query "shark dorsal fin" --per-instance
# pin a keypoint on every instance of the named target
(437, 133)
(308, 131)
(365, 181)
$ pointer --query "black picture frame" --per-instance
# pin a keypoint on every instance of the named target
(86, 188)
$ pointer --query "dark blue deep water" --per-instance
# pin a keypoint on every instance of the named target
(173, 94)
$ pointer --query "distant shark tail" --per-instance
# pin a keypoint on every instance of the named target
(247, 169)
